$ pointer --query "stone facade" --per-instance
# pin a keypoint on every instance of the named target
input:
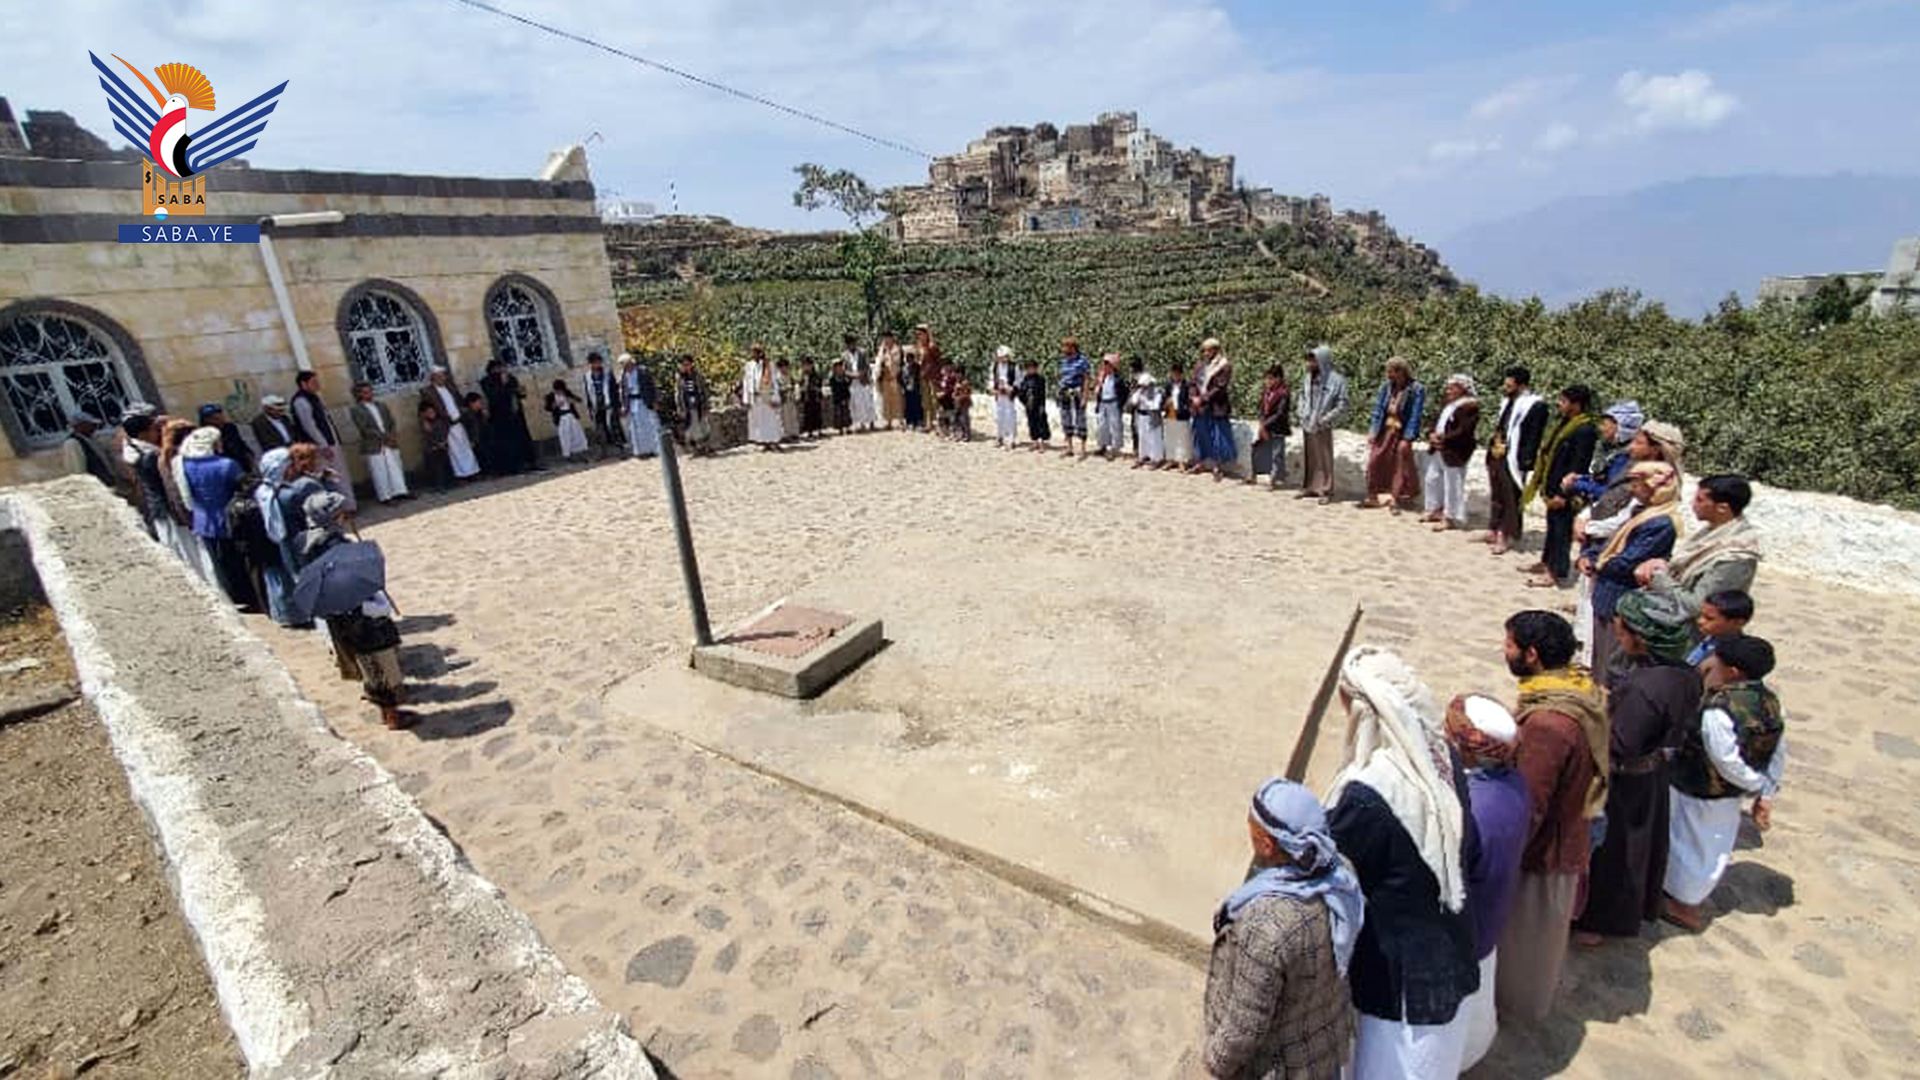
(1898, 286)
(1113, 174)
(12, 142)
(200, 322)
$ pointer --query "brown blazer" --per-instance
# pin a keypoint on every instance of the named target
(1455, 444)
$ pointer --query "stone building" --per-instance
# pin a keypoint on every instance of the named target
(1897, 286)
(1113, 174)
(416, 271)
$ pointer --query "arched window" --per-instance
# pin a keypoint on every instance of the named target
(524, 323)
(389, 336)
(56, 360)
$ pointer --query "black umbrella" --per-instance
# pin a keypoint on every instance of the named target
(345, 576)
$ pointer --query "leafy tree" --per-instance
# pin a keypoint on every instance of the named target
(1833, 303)
(842, 189)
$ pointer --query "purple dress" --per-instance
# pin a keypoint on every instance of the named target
(1502, 811)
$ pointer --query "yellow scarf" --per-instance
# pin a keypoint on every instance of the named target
(1543, 461)
(1571, 692)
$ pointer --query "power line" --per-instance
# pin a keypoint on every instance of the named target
(692, 78)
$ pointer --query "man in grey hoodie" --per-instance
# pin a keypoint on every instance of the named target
(1323, 400)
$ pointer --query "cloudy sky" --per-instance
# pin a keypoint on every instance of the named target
(1440, 112)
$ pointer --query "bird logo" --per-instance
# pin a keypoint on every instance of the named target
(165, 136)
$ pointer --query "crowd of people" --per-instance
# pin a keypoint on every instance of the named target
(1435, 891)
(1391, 929)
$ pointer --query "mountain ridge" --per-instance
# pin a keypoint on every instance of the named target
(1688, 243)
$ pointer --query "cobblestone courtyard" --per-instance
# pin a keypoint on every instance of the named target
(749, 929)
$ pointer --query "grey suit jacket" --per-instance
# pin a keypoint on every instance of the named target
(372, 438)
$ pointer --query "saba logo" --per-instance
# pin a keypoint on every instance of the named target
(172, 150)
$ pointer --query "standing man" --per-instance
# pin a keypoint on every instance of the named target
(1399, 816)
(232, 446)
(379, 444)
(1322, 403)
(462, 425)
(1277, 1002)
(603, 403)
(1653, 698)
(694, 403)
(1075, 369)
(273, 429)
(1734, 751)
(1566, 450)
(933, 366)
(507, 421)
(1511, 450)
(1449, 447)
(81, 454)
(1723, 557)
(1271, 428)
(642, 397)
(760, 393)
(1397, 411)
(1213, 410)
(312, 424)
(1563, 756)
(1004, 379)
(861, 405)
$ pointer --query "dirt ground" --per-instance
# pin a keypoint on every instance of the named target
(99, 975)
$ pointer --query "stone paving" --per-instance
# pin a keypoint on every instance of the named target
(748, 929)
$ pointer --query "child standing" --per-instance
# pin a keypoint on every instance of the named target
(1109, 395)
(962, 404)
(1179, 433)
(564, 407)
(1148, 404)
(840, 386)
(1722, 615)
(1033, 397)
(435, 432)
(943, 396)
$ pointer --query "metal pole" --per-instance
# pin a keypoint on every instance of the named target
(683, 535)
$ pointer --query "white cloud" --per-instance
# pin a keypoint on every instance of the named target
(1687, 101)
(1454, 151)
(1520, 95)
(1730, 19)
(1557, 137)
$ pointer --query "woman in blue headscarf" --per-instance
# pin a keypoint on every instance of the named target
(1277, 1000)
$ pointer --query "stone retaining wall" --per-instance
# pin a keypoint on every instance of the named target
(346, 936)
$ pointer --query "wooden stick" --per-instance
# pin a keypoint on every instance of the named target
(1310, 731)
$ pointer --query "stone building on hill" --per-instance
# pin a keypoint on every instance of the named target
(1896, 287)
(382, 277)
(1113, 175)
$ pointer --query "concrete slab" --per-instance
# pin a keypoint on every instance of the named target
(790, 650)
(1100, 735)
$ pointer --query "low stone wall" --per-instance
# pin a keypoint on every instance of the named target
(1830, 537)
(345, 935)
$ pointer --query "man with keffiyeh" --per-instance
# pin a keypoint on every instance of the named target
(1277, 999)
(1654, 696)
(1399, 815)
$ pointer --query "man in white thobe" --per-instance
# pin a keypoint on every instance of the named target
(379, 445)
(862, 405)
